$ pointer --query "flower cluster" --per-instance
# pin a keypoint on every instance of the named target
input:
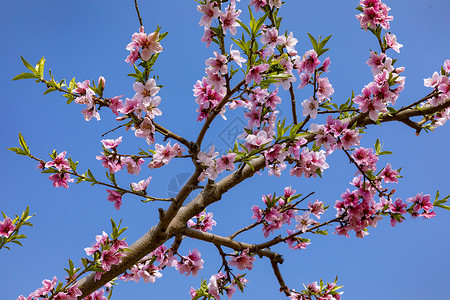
(441, 85)
(61, 166)
(214, 166)
(374, 13)
(107, 252)
(204, 221)
(143, 45)
(228, 19)
(146, 269)
(218, 285)
(163, 154)
(242, 261)
(87, 96)
(191, 263)
(48, 287)
(319, 291)
(278, 211)
(378, 94)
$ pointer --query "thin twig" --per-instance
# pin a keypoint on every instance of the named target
(138, 14)
(294, 110)
(276, 271)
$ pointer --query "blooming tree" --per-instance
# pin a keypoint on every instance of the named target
(255, 67)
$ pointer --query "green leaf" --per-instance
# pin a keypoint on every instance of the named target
(23, 144)
(18, 151)
(25, 76)
(322, 232)
(28, 66)
(40, 67)
(313, 42)
(378, 146)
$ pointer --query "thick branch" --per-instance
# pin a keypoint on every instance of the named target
(227, 242)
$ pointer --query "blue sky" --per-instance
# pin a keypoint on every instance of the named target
(86, 39)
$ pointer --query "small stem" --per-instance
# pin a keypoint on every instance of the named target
(138, 14)
(294, 110)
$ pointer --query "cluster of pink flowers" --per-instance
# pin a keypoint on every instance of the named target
(441, 84)
(228, 19)
(147, 270)
(108, 252)
(279, 211)
(61, 164)
(359, 209)
(210, 91)
(110, 159)
(48, 286)
(219, 284)
(86, 96)
(335, 135)
(204, 221)
(320, 292)
(143, 45)
(378, 94)
(191, 263)
(144, 101)
(309, 163)
(163, 154)
(242, 261)
(215, 166)
(374, 13)
(6, 227)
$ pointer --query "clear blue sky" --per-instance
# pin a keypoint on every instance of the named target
(86, 39)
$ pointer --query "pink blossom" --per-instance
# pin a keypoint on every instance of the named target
(111, 162)
(259, 139)
(165, 153)
(210, 11)
(112, 144)
(191, 263)
(226, 162)
(47, 287)
(316, 208)
(310, 107)
(207, 36)
(447, 66)
(97, 295)
(116, 197)
(110, 257)
(309, 62)
(133, 164)
(61, 179)
(116, 104)
(303, 222)
(276, 3)
(218, 64)
(141, 185)
(350, 138)
(204, 221)
(59, 162)
(236, 56)
(255, 73)
(129, 107)
(391, 41)
(229, 18)
(388, 174)
(146, 44)
(6, 227)
(243, 261)
(324, 89)
(258, 4)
